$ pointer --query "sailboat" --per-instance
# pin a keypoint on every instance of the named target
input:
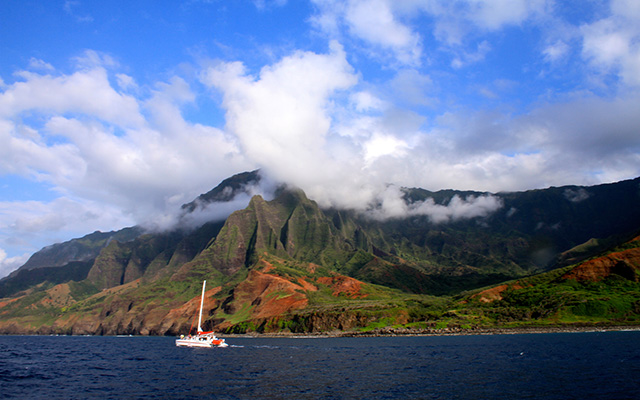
(201, 338)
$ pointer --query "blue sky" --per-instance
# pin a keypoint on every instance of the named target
(116, 113)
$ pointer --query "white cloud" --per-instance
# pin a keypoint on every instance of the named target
(457, 208)
(466, 58)
(628, 8)
(366, 101)
(390, 28)
(495, 14)
(107, 146)
(25, 152)
(305, 120)
(457, 19)
(126, 82)
(144, 168)
(391, 204)
(91, 59)
(411, 87)
(302, 138)
(555, 51)
(27, 226)
(612, 45)
(605, 42)
(380, 145)
(373, 21)
(63, 213)
(87, 92)
(329, 16)
(213, 211)
(282, 117)
(10, 264)
(35, 63)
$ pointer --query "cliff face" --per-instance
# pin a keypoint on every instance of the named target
(266, 300)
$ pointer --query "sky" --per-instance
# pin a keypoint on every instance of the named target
(115, 113)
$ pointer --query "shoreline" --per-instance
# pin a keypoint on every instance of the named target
(390, 332)
(400, 332)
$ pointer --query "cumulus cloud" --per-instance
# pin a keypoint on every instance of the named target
(282, 117)
(112, 158)
(611, 44)
(306, 119)
(374, 21)
(343, 150)
(101, 143)
(87, 91)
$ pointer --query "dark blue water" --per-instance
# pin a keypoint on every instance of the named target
(542, 366)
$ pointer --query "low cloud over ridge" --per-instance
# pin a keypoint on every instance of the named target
(392, 204)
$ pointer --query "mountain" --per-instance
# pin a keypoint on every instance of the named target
(602, 290)
(226, 191)
(288, 265)
(62, 262)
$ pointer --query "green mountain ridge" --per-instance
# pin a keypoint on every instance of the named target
(288, 265)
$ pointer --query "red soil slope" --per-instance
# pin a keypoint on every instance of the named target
(624, 263)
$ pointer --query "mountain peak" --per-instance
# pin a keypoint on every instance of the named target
(227, 190)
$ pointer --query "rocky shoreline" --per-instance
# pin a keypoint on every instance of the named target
(390, 332)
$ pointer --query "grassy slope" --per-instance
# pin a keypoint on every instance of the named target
(554, 298)
(545, 300)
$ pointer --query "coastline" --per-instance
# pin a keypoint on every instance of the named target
(390, 332)
(394, 332)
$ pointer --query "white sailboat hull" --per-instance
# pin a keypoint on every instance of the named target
(195, 342)
(191, 343)
(201, 339)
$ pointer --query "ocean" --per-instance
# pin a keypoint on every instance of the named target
(593, 365)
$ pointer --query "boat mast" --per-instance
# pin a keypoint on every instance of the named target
(201, 304)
